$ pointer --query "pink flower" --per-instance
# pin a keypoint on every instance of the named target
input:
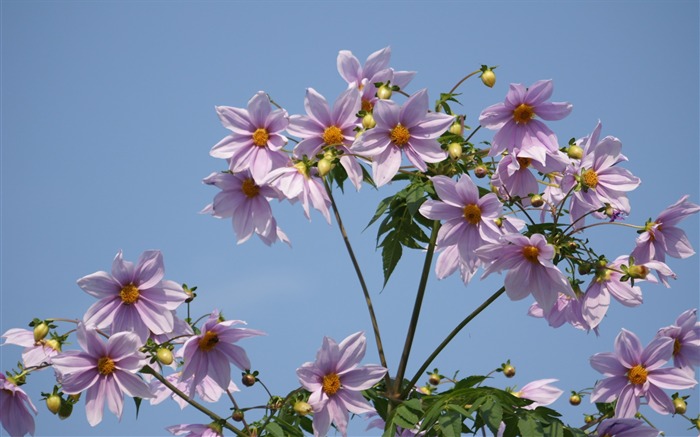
(207, 389)
(514, 176)
(410, 129)
(35, 352)
(449, 260)
(686, 339)
(106, 370)
(530, 268)
(540, 392)
(662, 236)
(212, 352)
(567, 309)
(607, 283)
(625, 428)
(515, 121)
(323, 128)
(14, 408)
(255, 143)
(336, 382)
(133, 298)
(299, 182)
(195, 430)
(248, 204)
(362, 77)
(633, 372)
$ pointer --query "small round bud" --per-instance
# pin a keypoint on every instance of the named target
(584, 268)
(536, 200)
(455, 150)
(302, 408)
(65, 410)
(434, 378)
(575, 152)
(456, 128)
(368, 121)
(248, 380)
(509, 371)
(574, 399)
(324, 167)
(480, 171)
(53, 403)
(680, 405)
(237, 416)
(384, 92)
(588, 419)
(40, 331)
(488, 77)
(697, 423)
(165, 356)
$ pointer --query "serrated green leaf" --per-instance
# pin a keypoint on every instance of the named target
(381, 208)
(555, 429)
(391, 254)
(528, 426)
(492, 413)
(450, 425)
(275, 429)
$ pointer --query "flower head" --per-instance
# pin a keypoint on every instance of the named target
(15, 408)
(196, 430)
(336, 380)
(106, 370)
(686, 339)
(363, 76)
(299, 182)
(133, 297)
(35, 352)
(633, 372)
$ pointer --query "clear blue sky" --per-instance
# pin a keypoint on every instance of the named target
(108, 118)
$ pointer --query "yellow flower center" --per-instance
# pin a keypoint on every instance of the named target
(472, 214)
(367, 106)
(399, 135)
(524, 162)
(249, 188)
(523, 113)
(637, 375)
(331, 384)
(590, 178)
(208, 341)
(260, 137)
(676, 347)
(333, 136)
(129, 294)
(530, 253)
(105, 366)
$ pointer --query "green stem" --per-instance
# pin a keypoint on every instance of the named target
(449, 338)
(360, 277)
(148, 370)
(416, 307)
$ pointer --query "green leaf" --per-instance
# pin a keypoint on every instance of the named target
(451, 424)
(391, 254)
(275, 429)
(137, 401)
(493, 414)
(528, 426)
(381, 209)
(555, 429)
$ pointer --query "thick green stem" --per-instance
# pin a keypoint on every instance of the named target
(360, 277)
(449, 338)
(416, 307)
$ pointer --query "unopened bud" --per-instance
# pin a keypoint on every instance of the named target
(575, 152)
(384, 92)
(680, 405)
(237, 416)
(575, 399)
(434, 378)
(536, 200)
(302, 408)
(456, 128)
(488, 77)
(53, 403)
(324, 167)
(589, 419)
(638, 272)
(165, 356)
(455, 150)
(508, 371)
(368, 121)
(40, 331)
(480, 171)
(65, 410)
(248, 380)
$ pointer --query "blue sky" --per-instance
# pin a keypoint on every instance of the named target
(108, 118)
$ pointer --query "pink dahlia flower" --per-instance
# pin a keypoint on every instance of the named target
(336, 381)
(540, 392)
(633, 372)
(686, 339)
(409, 128)
(662, 236)
(35, 352)
(449, 260)
(625, 428)
(517, 126)
(15, 408)
(514, 175)
(255, 143)
(299, 182)
(133, 297)
(248, 204)
(207, 389)
(323, 127)
(106, 370)
(212, 352)
(530, 268)
(195, 430)
(567, 309)
(361, 77)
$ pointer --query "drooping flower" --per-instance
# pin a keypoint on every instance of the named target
(410, 129)
(517, 126)
(35, 353)
(514, 176)
(212, 352)
(634, 372)
(300, 182)
(567, 309)
(323, 127)
(336, 380)
(361, 77)
(207, 389)
(106, 370)
(449, 260)
(662, 236)
(617, 427)
(530, 268)
(540, 392)
(15, 406)
(248, 204)
(133, 297)
(468, 221)
(686, 339)
(196, 430)
(255, 143)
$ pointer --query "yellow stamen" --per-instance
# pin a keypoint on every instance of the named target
(105, 366)
(249, 188)
(524, 162)
(208, 341)
(260, 137)
(333, 136)
(472, 213)
(523, 113)
(530, 253)
(637, 375)
(331, 384)
(676, 347)
(590, 178)
(399, 135)
(129, 294)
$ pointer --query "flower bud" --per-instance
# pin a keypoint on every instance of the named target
(589, 419)
(248, 379)
(53, 403)
(65, 410)
(455, 150)
(480, 171)
(434, 378)
(302, 408)
(456, 128)
(488, 77)
(165, 356)
(368, 121)
(536, 200)
(53, 344)
(575, 152)
(680, 405)
(324, 167)
(237, 415)
(508, 371)
(384, 92)
(40, 331)
(574, 399)
(638, 272)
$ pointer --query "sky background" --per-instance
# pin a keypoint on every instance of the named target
(108, 118)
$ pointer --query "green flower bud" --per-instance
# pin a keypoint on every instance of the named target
(302, 408)
(680, 405)
(488, 77)
(53, 403)
(575, 152)
(324, 167)
(368, 121)
(454, 150)
(384, 92)
(40, 331)
(165, 356)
